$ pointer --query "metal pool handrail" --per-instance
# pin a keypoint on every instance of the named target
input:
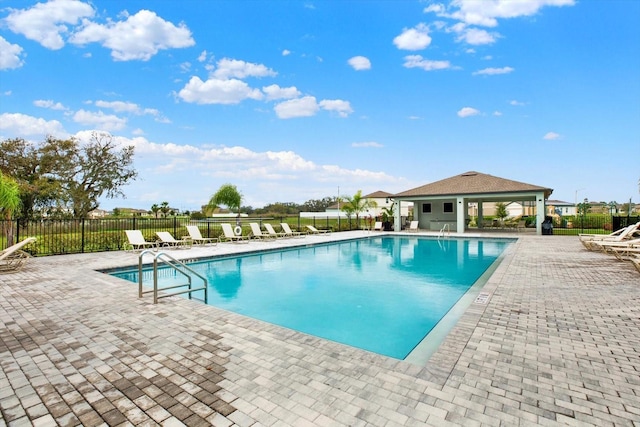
(179, 267)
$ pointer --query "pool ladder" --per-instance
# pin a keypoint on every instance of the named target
(178, 267)
(441, 234)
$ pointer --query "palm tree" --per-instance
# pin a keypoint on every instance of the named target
(155, 208)
(164, 208)
(227, 195)
(9, 203)
(357, 204)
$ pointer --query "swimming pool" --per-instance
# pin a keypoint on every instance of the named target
(381, 294)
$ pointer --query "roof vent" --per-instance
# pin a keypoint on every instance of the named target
(470, 174)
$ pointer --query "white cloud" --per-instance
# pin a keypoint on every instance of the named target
(516, 103)
(46, 22)
(139, 37)
(497, 113)
(10, 55)
(23, 125)
(487, 12)
(229, 68)
(276, 92)
(47, 103)
(203, 56)
(416, 38)
(417, 61)
(360, 63)
(369, 144)
(300, 107)
(494, 71)
(343, 108)
(216, 91)
(468, 112)
(286, 52)
(119, 106)
(475, 36)
(437, 8)
(551, 136)
(99, 120)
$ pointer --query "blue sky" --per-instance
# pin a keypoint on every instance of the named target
(297, 100)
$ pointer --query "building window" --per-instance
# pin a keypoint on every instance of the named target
(447, 207)
(426, 208)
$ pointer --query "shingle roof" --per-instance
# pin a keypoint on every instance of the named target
(473, 183)
(378, 195)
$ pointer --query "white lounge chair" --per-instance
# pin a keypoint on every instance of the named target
(629, 233)
(607, 246)
(196, 236)
(256, 233)
(230, 236)
(272, 232)
(288, 232)
(588, 240)
(413, 226)
(168, 241)
(313, 230)
(137, 241)
(14, 258)
(624, 252)
(378, 226)
(636, 262)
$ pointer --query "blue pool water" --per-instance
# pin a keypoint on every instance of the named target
(380, 294)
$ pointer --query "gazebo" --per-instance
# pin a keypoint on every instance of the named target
(445, 204)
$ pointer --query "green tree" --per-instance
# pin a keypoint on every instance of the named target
(68, 173)
(9, 203)
(501, 211)
(356, 204)
(22, 160)
(227, 195)
(154, 209)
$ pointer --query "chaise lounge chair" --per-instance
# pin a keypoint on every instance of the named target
(14, 258)
(378, 226)
(230, 236)
(313, 230)
(196, 236)
(168, 241)
(137, 241)
(256, 233)
(272, 232)
(608, 246)
(288, 232)
(413, 226)
(588, 240)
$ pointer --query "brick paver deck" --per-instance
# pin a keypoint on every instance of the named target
(558, 342)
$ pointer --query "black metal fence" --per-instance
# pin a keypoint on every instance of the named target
(56, 237)
(591, 223)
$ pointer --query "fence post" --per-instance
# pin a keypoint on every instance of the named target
(82, 238)
(175, 226)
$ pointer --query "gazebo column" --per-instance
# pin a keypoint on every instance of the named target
(480, 220)
(397, 226)
(539, 212)
(460, 215)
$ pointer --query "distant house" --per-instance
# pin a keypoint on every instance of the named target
(384, 200)
(98, 213)
(560, 208)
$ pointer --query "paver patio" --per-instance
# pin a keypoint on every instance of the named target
(557, 342)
